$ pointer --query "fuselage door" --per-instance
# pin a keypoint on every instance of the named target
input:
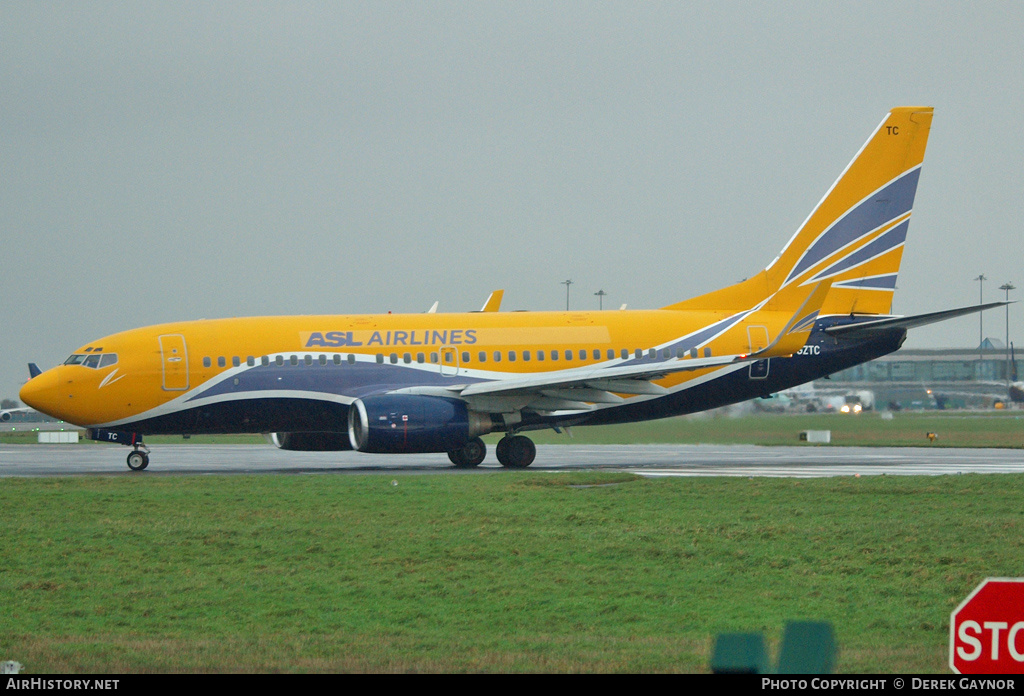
(449, 361)
(174, 359)
(758, 340)
(757, 337)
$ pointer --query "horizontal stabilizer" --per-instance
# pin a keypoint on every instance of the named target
(868, 328)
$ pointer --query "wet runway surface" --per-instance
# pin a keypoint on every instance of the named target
(647, 460)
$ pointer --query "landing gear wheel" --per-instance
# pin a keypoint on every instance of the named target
(137, 461)
(470, 455)
(516, 452)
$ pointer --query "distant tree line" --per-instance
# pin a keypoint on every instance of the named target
(8, 403)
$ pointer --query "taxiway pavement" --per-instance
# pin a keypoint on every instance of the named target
(646, 460)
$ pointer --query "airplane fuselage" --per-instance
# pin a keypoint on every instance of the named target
(301, 373)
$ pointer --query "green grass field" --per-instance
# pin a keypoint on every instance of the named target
(515, 572)
(953, 428)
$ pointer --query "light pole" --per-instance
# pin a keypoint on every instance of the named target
(981, 300)
(1007, 286)
(600, 298)
(566, 283)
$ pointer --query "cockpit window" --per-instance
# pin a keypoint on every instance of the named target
(94, 361)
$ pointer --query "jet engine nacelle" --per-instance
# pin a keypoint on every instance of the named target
(311, 442)
(394, 423)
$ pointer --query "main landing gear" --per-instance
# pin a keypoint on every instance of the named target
(471, 454)
(514, 452)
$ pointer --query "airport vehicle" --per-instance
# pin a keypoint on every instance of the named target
(435, 382)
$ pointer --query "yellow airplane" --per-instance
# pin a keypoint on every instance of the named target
(435, 382)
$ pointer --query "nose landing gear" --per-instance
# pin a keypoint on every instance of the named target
(139, 458)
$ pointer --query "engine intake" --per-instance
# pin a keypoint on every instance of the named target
(403, 423)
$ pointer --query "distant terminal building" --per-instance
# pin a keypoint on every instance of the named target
(945, 378)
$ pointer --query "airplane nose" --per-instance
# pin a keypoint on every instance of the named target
(42, 393)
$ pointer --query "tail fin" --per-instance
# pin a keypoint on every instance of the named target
(854, 236)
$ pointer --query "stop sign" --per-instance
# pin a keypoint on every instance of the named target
(986, 632)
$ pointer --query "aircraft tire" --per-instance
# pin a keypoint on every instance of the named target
(516, 452)
(137, 461)
(470, 455)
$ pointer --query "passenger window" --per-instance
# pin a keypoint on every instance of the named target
(497, 356)
(611, 353)
(235, 362)
(92, 361)
(625, 354)
(511, 356)
(568, 355)
(638, 354)
(380, 358)
(583, 354)
(279, 360)
(406, 358)
(322, 359)
(526, 355)
(483, 356)
(394, 358)
(421, 358)
(434, 358)
(221, 362)
(540, 355)
(652, 353)
(351, 359)
(337, 358)
(707, 352)
(206, 362)
(264, 360)
(465, 356)
(250, 361)
(294, 360)
(693, 352)
(308, 360)
(108, 359)
(554, 355)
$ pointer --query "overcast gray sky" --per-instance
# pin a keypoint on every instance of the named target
(167, 161)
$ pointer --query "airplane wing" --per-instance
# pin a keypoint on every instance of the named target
(868, 328)
(577, 389)
(574, 390)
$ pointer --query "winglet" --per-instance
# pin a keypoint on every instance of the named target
(493, 303)
(33, 370)
(794, 334)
